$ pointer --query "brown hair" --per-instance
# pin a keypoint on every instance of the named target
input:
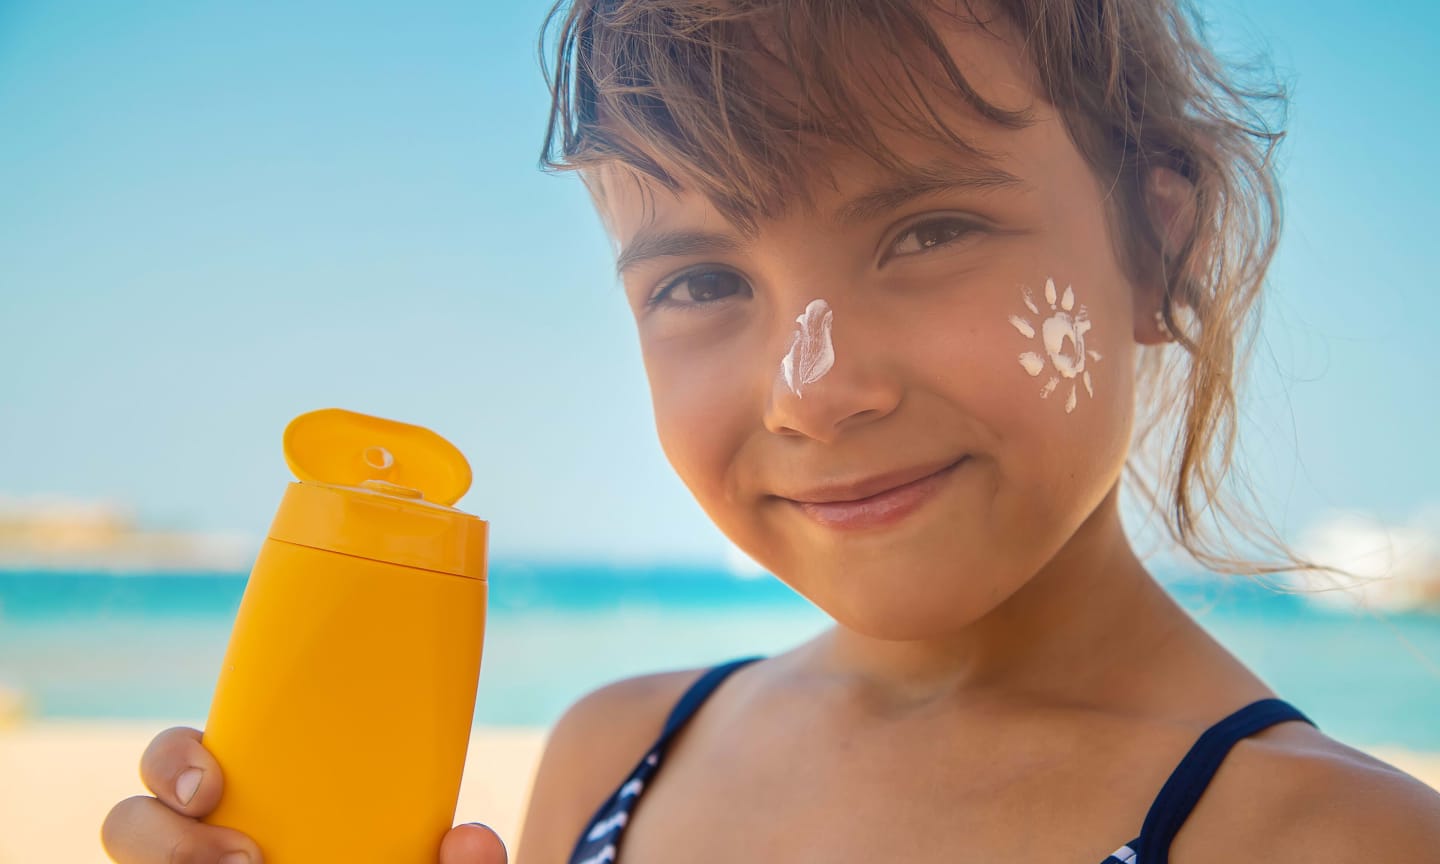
(683, 93)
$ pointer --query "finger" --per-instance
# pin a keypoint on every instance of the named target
(473, 844)
(142, 830)
(180, 772)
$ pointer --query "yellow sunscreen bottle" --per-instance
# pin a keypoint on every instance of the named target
(343, 708)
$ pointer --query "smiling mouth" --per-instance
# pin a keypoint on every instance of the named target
(889, 503)
(867, 487)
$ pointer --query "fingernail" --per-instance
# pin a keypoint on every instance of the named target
(187, 783)
(235, 858)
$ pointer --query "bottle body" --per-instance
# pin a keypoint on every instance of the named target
(343, 709)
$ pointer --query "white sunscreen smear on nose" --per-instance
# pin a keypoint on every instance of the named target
(811, 352)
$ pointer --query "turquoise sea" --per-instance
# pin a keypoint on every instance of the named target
(148, 646)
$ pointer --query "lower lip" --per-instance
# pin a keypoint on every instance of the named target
(880, 510)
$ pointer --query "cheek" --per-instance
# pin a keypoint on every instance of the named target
(1067, 368)
(700, 417)
(1047, 374)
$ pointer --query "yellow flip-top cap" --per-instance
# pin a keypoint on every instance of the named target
(381, 490)
(346, 448)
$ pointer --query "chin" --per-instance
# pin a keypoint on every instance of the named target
(903, 602)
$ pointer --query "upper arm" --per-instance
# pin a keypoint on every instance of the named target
(1359, 812)
(1395, 819)
(590, 750)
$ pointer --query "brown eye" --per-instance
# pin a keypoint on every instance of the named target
(930, 235)
(702, 287)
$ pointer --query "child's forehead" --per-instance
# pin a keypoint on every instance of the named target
(846, 186)
(836, 172)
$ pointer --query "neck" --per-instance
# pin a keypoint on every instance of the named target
(1069, 635)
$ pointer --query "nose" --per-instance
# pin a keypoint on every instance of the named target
(830, 378)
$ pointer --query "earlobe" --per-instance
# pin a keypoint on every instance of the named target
(1151, 328)
(1170, 207)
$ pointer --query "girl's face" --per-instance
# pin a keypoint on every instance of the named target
(951, 354)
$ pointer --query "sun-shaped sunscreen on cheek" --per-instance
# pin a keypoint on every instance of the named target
(1062, 334)
(811, 352)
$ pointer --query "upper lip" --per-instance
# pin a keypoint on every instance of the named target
(854, 490)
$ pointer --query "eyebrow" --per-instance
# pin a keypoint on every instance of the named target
(668, 244)
(929, 179)
(899, 189)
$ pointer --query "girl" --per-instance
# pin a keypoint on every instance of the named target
(907, 275)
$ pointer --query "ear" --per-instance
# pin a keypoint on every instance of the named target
(1170, 206)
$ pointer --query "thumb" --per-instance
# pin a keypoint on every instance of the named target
(473, 843)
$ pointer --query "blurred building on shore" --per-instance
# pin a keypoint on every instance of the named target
(52, 532)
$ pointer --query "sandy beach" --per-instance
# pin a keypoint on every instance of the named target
(58, 779)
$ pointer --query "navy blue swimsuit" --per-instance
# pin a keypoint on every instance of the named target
(600, 842)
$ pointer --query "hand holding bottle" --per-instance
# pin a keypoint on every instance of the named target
(187, 784)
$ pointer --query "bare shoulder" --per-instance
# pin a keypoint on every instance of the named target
(591, 748)
(1308, 798)
(1351, 807)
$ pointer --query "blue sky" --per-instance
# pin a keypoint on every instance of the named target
(216, 216)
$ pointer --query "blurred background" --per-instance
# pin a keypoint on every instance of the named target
(217, 216)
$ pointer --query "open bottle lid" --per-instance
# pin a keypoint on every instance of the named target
(346, 448)
(379, 489)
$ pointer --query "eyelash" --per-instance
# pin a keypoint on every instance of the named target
(961, 227)
(661, 297)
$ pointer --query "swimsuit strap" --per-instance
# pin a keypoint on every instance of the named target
(1188, 781)
(599, 843)
(694, 697)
